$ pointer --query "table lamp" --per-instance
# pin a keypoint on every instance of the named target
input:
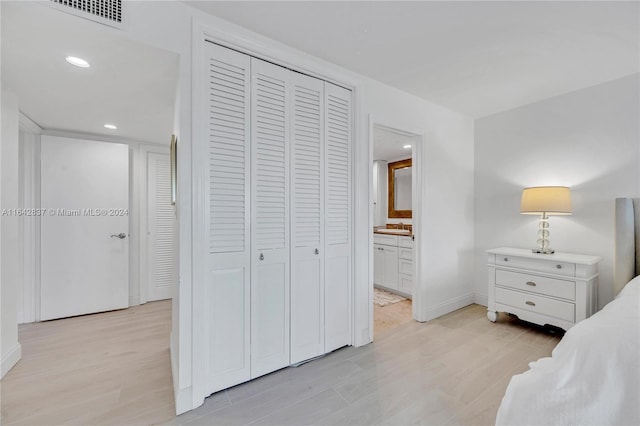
(545, 201)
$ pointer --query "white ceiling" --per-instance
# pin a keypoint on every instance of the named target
(477, 57)
(128, 84)
(389, 145)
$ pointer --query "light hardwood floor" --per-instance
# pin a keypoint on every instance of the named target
(108, 368)
(113, 368)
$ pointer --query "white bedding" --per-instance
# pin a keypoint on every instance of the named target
(592, 377)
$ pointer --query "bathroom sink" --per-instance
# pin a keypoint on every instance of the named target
(393, 231)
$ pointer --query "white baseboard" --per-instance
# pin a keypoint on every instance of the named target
(10, 359)
(449, 306)
(481, 299)
(134, 301)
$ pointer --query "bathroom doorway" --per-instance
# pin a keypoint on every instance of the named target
(393, 181)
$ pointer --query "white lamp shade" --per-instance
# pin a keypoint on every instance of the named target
(552, 200)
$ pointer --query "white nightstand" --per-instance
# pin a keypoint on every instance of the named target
(558, 289)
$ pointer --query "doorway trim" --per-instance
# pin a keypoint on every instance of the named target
(418, 294)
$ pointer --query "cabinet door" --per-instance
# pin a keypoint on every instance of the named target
(337, 175)
(378, 264)
(307, 218)
(270, 218)
(228, 218)
(390, 255)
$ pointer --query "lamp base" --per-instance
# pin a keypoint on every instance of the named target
(543, 251)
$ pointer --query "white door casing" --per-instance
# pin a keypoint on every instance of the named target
(160, 224)
(228, 218)
(307, 218)
(270, 218)
(85, 189)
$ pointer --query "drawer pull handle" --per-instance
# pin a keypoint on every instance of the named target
(559, 266)
(531, 283)
(506, 259)
(528, 302)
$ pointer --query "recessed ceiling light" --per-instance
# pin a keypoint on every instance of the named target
(407, 146)
(78, 62)
(110, 126)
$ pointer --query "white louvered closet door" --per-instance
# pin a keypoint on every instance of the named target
(270, 218)
(307, 218)
(160, 221)
(338, 216)
(228, 226)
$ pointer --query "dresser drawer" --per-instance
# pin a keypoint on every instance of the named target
(405, 253)
(535, 284)
(547, 265)
(538, 304)
(406, 242)
(387, 240)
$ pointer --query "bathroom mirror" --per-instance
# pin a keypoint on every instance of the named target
(400, 189)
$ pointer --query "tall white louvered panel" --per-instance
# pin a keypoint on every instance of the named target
(270, 146)
(160, 219)
(228, 288)
(337, 169)
(307, 254)
(227, 156)
(270, 217)
(337, 294)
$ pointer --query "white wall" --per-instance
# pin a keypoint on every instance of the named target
(588, 140)
(10, 251)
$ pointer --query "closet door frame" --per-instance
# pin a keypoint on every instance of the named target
(188, 363)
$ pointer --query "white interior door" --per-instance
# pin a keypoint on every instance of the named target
(228, 204)
(338, 217)
(270, 218)
(160, 224)
(307, 218)
(85, 229)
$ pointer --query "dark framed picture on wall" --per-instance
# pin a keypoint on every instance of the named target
(174, 171)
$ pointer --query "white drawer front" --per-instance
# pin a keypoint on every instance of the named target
(405, 242)
(542, 265)
(405, 253)
(405, 283)
(405, 266)
(387, 240)
(538, 304)
(543, 285)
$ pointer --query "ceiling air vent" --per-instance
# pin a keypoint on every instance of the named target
(108, 12)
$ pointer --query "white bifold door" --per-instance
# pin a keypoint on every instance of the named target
(279, 217)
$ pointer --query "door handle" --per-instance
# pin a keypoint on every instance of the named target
(316, 251)
(261, 256)
(121, 235)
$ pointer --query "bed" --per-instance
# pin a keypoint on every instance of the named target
(593, 374)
